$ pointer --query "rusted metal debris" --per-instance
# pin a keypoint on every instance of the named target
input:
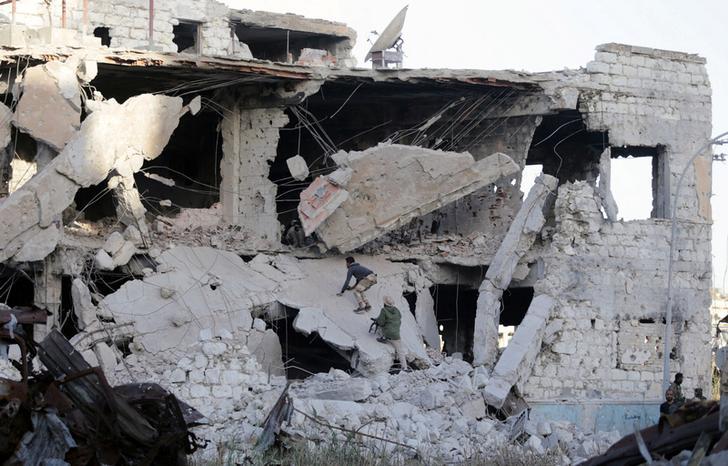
(70, 413)
(280, 412)
(692, 427)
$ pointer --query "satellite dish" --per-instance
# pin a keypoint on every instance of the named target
(390, 35)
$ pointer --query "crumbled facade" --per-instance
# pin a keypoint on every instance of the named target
(177, 238)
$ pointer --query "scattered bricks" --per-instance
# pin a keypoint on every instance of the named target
(214, 348)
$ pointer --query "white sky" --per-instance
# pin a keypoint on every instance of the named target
(538, 35)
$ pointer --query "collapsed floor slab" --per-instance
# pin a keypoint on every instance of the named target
(392, 184)
(209, 290)
(518, 240)
(194, 289)
(114, 138)
(332, 317)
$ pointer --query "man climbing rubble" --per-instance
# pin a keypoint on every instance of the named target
(365, 279)
(388, 323)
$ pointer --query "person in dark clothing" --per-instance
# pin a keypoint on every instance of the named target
(365, 279)
(295, 236)
(670, 405)
(699, 394)
(389, 322)
(676, 388)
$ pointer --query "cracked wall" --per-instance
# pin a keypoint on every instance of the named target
(250, 140)
(126, 24)
(610, 314)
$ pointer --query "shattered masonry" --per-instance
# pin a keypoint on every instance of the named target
(163, 241)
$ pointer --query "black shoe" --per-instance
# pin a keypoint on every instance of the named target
(382, 340)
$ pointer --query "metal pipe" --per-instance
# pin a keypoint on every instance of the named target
(667, 345)
(14, 9)
(151, 23)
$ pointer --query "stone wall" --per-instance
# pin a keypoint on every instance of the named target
(646, 97)
(613, 277)
(128, 23)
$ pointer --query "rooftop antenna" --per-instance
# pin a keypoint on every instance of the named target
(387, 49)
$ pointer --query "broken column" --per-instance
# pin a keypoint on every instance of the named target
(6, 154)
(115, 137)
(604, 189)
(47, 293)
(515, 364)
(250, 143)
(129, 208)
(392, 184)
(519, 239)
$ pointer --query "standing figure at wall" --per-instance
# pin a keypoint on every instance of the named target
(676, 388)
(670, 405)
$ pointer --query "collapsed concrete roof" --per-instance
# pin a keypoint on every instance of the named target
(423, 180)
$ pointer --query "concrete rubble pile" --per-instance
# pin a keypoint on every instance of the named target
(434, 413)
(205, 252)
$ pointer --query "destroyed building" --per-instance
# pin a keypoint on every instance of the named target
(155, 158)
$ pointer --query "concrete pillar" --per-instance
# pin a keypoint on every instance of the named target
(519, 239)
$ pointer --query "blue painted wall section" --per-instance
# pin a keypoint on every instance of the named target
(599, 417)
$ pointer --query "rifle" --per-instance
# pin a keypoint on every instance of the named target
(374, 326)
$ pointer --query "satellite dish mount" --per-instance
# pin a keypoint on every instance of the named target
(387, 50)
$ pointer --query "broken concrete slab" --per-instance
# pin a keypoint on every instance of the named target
(298, 167)
(318, 201)
(48, 110)
(194, 289)
(83, 307)
(515, 364)
(266, 347)
(519, 239)
(41, 245)
(426, 318)
(392, 184)
(129, 208)
(116, 137)
(6, 117)
(333, 319)
(349, 389)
